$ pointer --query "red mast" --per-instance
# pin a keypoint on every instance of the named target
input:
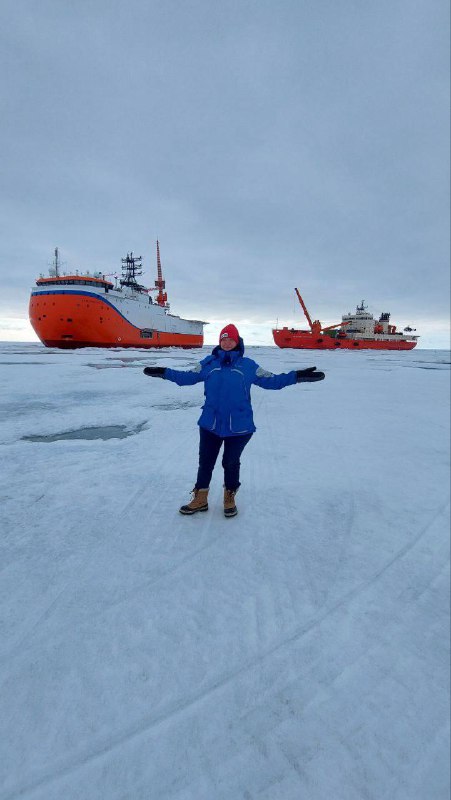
(304, 308)
(160, 284)
(316, 326)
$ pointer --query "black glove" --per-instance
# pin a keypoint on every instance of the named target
(310, 374)
(154, 372)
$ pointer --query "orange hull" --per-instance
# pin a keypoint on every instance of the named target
(305, 340)
(75, 320)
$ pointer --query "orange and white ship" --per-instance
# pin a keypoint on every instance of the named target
(88, 310)
(358, 331)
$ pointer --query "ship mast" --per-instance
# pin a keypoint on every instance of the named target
(160, 284)
(56, 263)
(131, 267)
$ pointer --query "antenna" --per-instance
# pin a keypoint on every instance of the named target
(55, 267)
(131, 267)
(56, 263)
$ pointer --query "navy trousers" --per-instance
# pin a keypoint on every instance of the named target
(209, 448)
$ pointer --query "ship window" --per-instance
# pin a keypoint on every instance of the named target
(337, 344)
(76, 282)
(356, 344)
(145, 333)
(69, 319)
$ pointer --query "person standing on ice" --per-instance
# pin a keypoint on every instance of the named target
(227, 412)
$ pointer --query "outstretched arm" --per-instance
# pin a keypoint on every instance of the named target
(267, 380)
(180, 377)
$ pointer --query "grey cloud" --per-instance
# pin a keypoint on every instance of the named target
(266, 144)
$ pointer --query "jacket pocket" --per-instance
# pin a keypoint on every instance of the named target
(241, 420)
(208, 418)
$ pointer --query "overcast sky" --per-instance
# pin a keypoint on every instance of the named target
(267, 144)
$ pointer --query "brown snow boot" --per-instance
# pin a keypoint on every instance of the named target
(199, 502)
(230, 509)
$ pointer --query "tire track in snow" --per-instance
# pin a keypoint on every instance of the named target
(83, 557)
(175, 708)
(342, 520)
(202, 526)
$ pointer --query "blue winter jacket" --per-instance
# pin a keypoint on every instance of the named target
(228, 377)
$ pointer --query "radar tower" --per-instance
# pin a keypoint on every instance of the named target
(131, 267)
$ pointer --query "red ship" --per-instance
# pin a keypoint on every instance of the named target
(84, 310)
(358, 331)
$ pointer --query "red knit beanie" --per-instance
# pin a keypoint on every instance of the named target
(229, 332)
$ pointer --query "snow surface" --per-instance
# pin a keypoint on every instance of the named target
(299, 650)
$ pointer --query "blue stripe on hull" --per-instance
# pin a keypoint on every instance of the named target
(92, 295)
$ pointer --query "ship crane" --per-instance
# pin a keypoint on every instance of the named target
(160, 284)
(316, 326)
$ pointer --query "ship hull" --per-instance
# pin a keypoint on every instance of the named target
(71, 319)
(304, 340)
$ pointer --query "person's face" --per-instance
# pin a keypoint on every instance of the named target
(228, 343)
